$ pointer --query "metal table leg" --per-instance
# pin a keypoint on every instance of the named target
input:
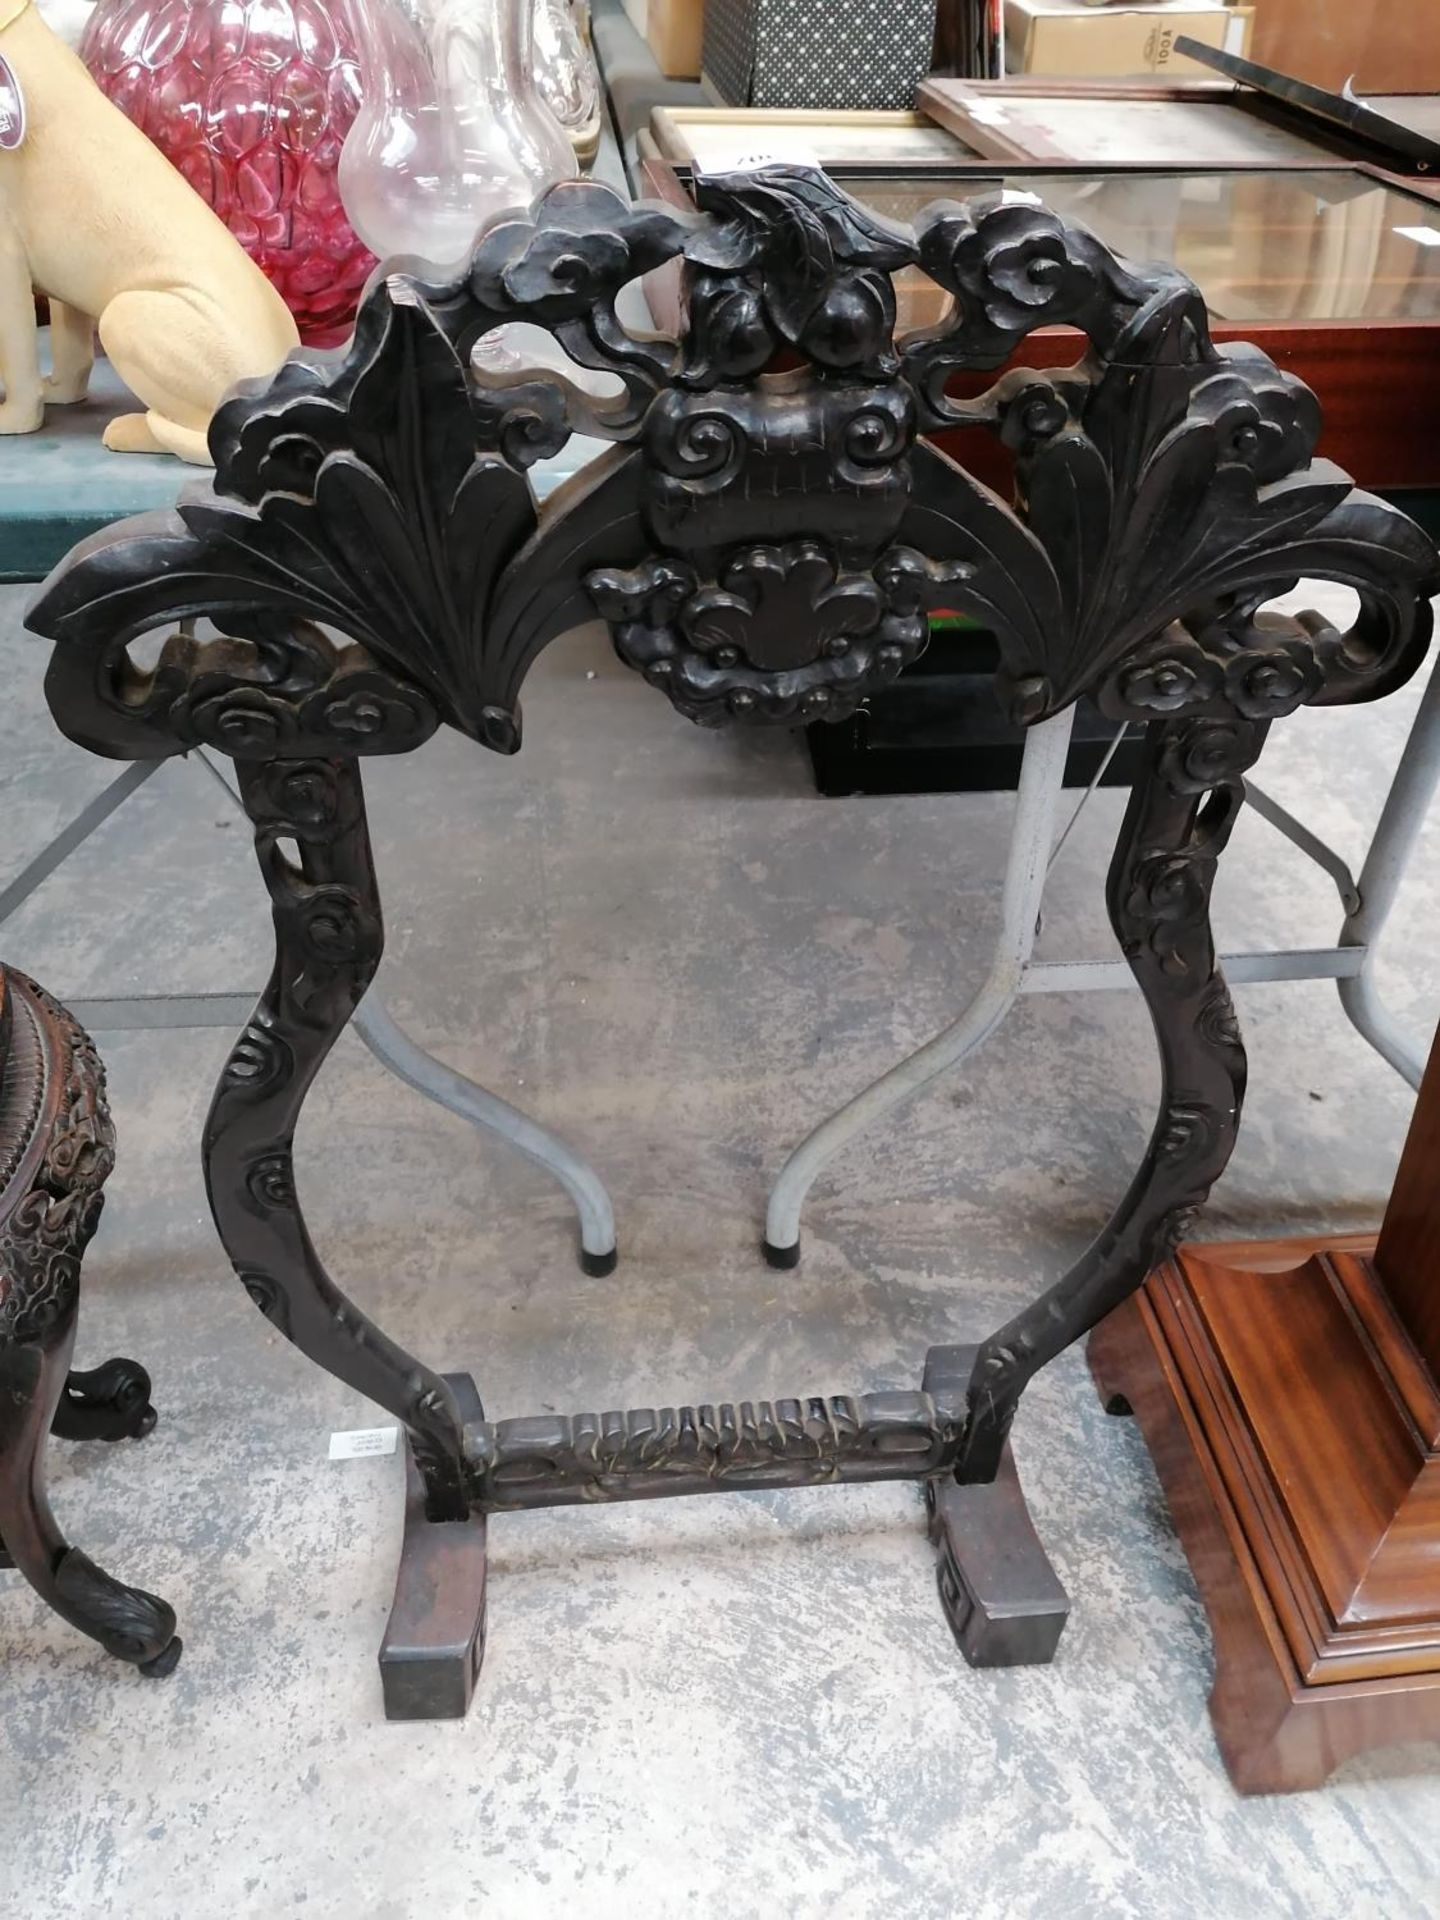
(1350, 963)
(1401, 820)
(400, 1055)
(1042, 775)
(408, 1061)
(74, 834)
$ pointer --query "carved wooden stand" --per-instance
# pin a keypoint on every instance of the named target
(57, 1149)
(765, 540)
(1289, 1392)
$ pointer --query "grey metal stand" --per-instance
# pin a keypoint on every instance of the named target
(1401, 819)
(1367, 902)
(386, 1040)
(400, 1055)
(1042, 774)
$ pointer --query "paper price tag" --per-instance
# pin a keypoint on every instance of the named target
(363, 1443)
(12, 108)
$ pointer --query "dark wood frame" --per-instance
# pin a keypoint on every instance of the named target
(766, 546)
(1392, 142)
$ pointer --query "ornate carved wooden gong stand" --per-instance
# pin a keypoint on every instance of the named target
(765, 540)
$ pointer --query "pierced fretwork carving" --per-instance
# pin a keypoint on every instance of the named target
(765, 545)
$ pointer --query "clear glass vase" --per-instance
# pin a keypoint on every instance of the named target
(453, 128)
(569, 79)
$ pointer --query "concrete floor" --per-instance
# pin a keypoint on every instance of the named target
(664, 940)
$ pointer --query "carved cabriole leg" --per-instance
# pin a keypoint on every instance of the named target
(128, 1622)
(1180, 816)
(328, 941)
(57, 1148)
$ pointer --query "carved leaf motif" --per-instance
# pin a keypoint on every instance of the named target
(398, 545)
(1175, 490)
(1006, 578)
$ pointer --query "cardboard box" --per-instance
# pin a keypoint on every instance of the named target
(1079, 40)
(829, 55)
(675, 30)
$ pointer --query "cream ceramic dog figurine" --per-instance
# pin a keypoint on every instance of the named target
(94, 216)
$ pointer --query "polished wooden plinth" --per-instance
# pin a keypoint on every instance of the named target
(1295, 1425)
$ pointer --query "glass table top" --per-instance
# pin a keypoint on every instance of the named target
(1327, 245)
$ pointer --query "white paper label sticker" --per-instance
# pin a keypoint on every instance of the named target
(12, 108)
(363, 1443)
(1422, 236)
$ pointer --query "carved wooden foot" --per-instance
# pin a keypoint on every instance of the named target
(128, 1622)
(434, 1643)
(110, 1402)
(1005, 1605)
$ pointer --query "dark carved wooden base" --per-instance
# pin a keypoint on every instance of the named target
(434, 1643)
(1296, 1433)
(1001, 1596)
(57, 1148)
(1005, 1605)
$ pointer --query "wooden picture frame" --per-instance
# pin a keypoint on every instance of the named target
(1043, 118)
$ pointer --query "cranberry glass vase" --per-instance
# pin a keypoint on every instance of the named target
(251, 101)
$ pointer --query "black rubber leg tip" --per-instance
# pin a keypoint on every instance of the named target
(599, 1265)
(165, 1662)
(782, 1257)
